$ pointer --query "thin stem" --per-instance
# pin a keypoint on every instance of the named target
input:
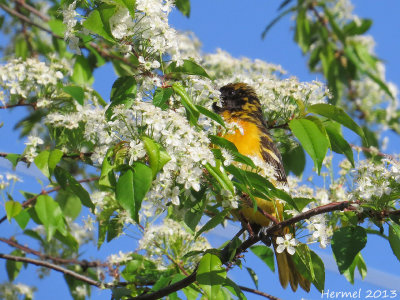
(32, 10)
(257, 292)
(53, 267)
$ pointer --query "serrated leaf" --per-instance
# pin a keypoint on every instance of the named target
(13, 208)
(253, 276)
(211, 275)
(189, 67)
(64, 178)
(212, 115)
(161, 96)
(50, 215)
(183, 6)
(98, 21)
(124, 192)
(82, 73)
(346, 243)
(294, 160)
(191, 110)
(311, 138)
(107, 177)
(13, 267)
(213, 222)
(142, 181)
(338, 143)
(266, 254)
(123, 86)
(158, 156)
(76, 92)
(310, 265)
(336, 114)
(13, 158)
(127, 101)
(394, 239)
(42, 162)
(54, 157)
(22, 219)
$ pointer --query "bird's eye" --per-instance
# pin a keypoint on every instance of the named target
(231, 93)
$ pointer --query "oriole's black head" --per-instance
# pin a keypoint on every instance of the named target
(238, 97)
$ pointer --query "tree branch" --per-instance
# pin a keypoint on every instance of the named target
(53, 267)
(57, 260)
(32, 10)
(372, 151)
(257, 292)
(57, 188)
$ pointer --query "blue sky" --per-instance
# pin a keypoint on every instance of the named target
(236, 26)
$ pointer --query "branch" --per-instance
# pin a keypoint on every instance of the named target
(27, 20)
(32, 10)
(372, 151)
(20, 103)
(53, 267)
(257, 292)
(57, 260)
(80, 155)
(57, 188)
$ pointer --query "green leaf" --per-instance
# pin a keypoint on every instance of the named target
(70, 204)
(336, 114)
(221, 176)
(212, 115)
(253, 276)
(294, 160)
(311, 138)
(360, 264)
(21, 47)
(98, 21)
(158, 156)
(54, 157)
(107, 177)
(211, 275)
(183, 6)
(394, 239)
(57, 26)
(13, 208)
(22, 219)
(129, 4)
(191, 110)
(46, 161)
(123, 86)
(234, 289)
(213, 222)
(76, 92)
(310, 265)
(50, 214)
(346, 243)
(126, 101)
(338, 143)
(125, 192)
(142, 180)
(65, 179)
(82, 73)
(355, 28)
(189, 67)
(266, 254)
(132, 187)
(13, 267)
(161, 96)
(13, 158)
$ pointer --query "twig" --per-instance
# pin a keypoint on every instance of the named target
(80, 155)
(18, 104)
(33, 199)
(257, 292)
(53, 267)
(32, 10)
(27, 20)
(372, 151)
(57, 260)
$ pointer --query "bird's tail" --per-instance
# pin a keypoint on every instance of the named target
(288, 272)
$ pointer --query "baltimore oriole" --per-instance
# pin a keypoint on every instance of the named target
(241, 105)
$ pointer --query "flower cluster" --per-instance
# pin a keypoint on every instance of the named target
(9, 290)
(374, 181)
(171, 240)
(22, 79)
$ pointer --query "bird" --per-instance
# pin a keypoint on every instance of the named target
(241, 105)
